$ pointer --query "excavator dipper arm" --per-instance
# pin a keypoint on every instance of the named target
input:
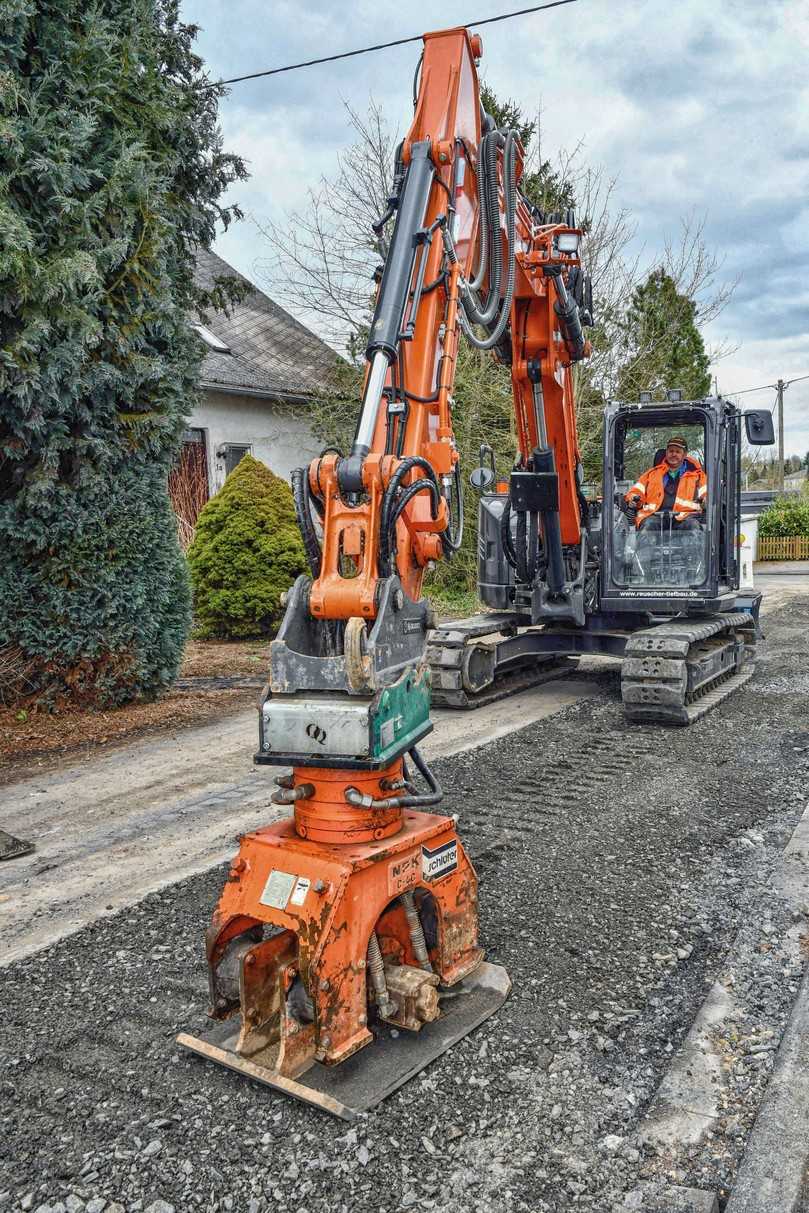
(358, 910)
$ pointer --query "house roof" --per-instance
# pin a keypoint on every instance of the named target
(270, 352)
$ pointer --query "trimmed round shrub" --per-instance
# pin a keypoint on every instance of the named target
(786, 516)
(247, 550)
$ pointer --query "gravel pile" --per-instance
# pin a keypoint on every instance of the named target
(631, 859)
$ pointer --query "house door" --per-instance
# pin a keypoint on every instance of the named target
(188, 484)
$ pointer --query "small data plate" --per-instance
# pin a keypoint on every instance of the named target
(277, 889)
(379, 1069)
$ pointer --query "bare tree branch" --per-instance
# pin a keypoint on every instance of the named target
(322, 257)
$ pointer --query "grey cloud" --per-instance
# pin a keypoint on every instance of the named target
(695, 109)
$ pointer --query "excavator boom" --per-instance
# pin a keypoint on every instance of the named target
(350, 919)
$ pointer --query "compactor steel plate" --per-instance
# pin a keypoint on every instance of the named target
(395, 1056)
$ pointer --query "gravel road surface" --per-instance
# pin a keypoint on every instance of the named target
(631, 860)
(141, 817)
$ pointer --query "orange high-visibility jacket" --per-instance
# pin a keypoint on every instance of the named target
(691, 489)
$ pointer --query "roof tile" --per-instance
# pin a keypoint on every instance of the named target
(271, 351)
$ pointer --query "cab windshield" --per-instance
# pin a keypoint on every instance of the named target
(659, 537)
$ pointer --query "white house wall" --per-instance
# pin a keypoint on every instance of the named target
(279, 436)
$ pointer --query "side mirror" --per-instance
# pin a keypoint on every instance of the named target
(759, 427)
(481, 479)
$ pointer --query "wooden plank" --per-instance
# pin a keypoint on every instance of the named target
(270, 1078)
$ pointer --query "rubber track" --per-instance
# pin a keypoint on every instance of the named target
(509, 683)
(658, 660)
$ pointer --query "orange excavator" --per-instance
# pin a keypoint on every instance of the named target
(353, 922)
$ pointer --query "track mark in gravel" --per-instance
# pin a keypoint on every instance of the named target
(552, 789)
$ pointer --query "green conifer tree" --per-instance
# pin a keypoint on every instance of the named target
(665, 348)
(111, 171)
(541, 183)
(247, 550)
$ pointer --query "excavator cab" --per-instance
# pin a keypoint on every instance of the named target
(678, 555)
(666, 548)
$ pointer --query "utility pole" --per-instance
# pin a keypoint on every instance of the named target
(780, 400)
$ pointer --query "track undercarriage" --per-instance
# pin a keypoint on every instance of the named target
(479, 660)
(671, 673)
(674, 673)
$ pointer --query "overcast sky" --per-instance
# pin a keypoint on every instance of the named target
(698, 108)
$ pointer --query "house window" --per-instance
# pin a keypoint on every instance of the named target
(234, 453)
(211, 340)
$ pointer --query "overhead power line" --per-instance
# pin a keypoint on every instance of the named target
(382, 46)
(763, 387)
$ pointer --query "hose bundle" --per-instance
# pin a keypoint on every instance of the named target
(495, 310)
(524, 556)
(303, 499)
(395, 500)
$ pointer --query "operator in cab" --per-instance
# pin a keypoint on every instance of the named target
(676, 483)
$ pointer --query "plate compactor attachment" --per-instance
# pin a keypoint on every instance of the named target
(342, 927)
(355, 922)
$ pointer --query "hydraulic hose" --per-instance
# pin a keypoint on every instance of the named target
(524, 558)
(303, 516)
(483, 227)
(527, 549)
(387, 538)
(484, 222)
(421, 800)
(505, 535)
(467, 320)
(417, 939)
(376, 969)
(388, 501)
(452, 539)
(436, 792)
(486, 313)
(568, 312)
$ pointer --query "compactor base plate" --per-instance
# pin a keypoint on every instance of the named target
(395, 1056)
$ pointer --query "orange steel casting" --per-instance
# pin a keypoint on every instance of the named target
(327, 817)
(352, 889)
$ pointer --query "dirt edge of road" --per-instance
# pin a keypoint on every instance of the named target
(40, 741)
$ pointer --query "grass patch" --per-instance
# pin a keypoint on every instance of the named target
(453, 603)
